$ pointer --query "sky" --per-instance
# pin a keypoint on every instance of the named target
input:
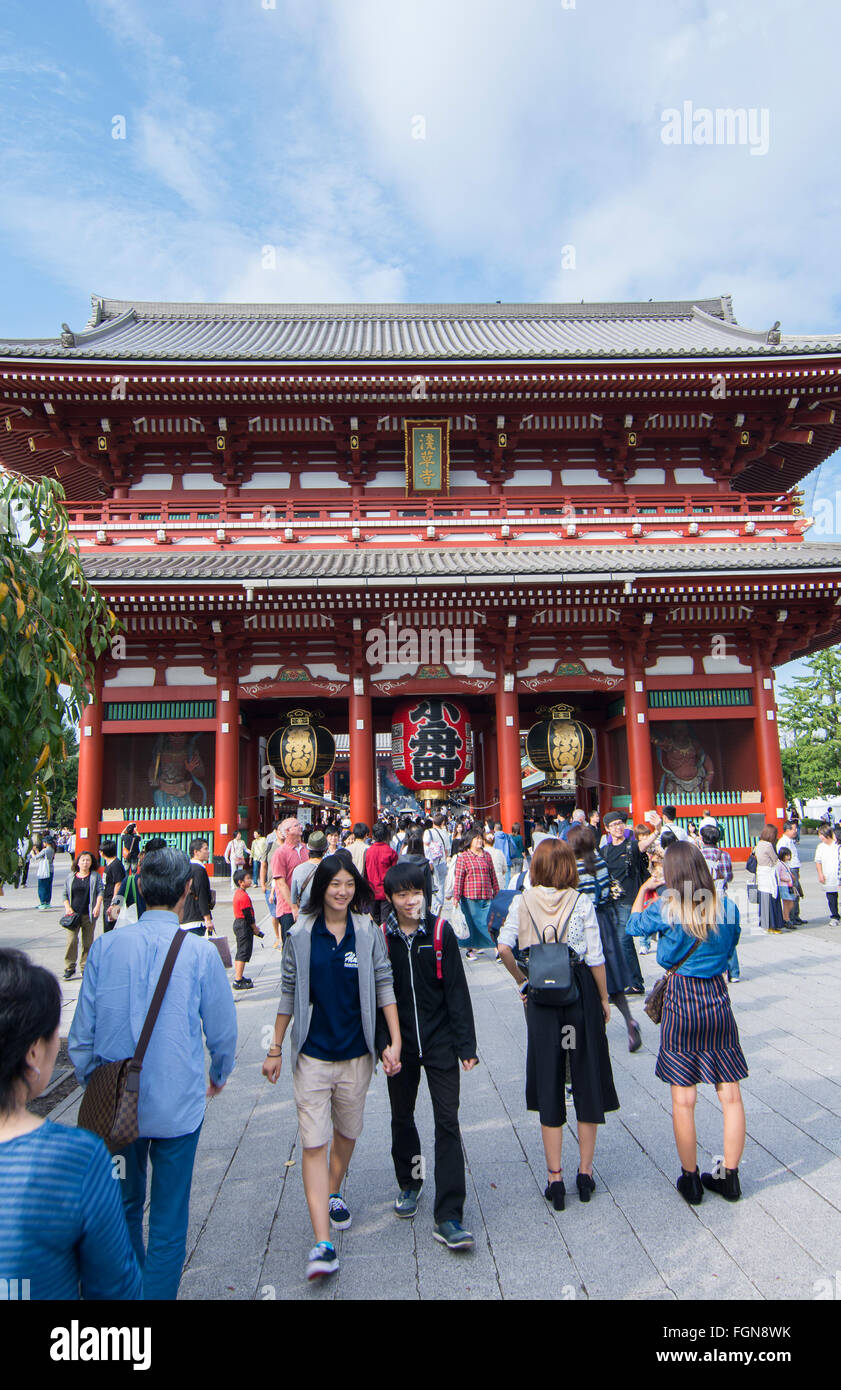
(420, 150)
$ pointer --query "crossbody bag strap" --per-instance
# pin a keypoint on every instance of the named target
(157, 999)
(672, 968)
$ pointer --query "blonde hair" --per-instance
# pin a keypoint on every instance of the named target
(690, 895)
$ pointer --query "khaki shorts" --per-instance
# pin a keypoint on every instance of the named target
(330, 1095)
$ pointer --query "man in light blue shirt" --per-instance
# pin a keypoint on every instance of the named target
(117, 987)
(503, 842)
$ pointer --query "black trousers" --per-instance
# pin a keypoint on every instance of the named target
(443, 1085)
(832, 903)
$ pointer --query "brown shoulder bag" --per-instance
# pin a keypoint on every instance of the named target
(109, 1105)
(655, 1000)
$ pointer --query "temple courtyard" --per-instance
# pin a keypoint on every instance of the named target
(637, 1239)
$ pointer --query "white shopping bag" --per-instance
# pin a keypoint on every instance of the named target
(126, 916)
(454, 915)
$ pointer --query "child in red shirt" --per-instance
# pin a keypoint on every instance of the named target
(245, 928)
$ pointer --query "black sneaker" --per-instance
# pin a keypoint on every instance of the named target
(406, 1202)
(340, 1217)
(453, 1235)
(242, 984)
(322, 1260)
(636, 989)
(68, 974)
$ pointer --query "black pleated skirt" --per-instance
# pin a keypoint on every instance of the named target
(575, 1032)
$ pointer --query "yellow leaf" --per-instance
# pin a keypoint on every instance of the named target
(46, 677)
(21, 607)
(4, 592)
(45, 753)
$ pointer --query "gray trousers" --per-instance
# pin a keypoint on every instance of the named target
(795, 907)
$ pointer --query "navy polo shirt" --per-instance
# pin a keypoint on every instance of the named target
(335, 1033)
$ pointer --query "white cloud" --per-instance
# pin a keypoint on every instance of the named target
(293, 127)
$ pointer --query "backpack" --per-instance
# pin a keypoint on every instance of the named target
(434, 848)
(500, 906)
(437, 942)
(718, 869)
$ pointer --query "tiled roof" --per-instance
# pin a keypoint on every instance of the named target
(360, 333)
(321, 569)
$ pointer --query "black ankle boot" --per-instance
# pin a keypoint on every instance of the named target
(690, 1188)
(556, 1194)
(727, 1187)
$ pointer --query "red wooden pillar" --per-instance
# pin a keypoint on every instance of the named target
(361, 731)
(639, 739)
(91, 759)
(767, 740)
(508, 751)
(226, 807)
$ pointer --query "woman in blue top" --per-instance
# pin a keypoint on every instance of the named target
(62, 1229)
(699, 1040)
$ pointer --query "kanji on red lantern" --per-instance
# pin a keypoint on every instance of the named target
(431, 744)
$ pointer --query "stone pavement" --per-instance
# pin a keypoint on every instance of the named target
(637, 1239)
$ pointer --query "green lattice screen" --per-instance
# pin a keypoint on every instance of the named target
(162, 709)
(682, 699)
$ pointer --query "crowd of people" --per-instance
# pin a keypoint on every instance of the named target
(376, 925)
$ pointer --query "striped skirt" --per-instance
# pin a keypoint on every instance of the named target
(699, 1040)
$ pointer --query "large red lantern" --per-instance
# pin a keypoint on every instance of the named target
(431, 746)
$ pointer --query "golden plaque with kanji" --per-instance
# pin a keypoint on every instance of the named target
(427, 456)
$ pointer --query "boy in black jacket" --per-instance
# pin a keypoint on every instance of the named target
(436, 1024)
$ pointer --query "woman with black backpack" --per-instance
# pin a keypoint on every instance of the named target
(557, 1031)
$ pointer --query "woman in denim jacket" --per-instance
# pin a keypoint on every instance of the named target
(699, 1040)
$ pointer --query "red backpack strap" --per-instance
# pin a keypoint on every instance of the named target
(438, 942)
